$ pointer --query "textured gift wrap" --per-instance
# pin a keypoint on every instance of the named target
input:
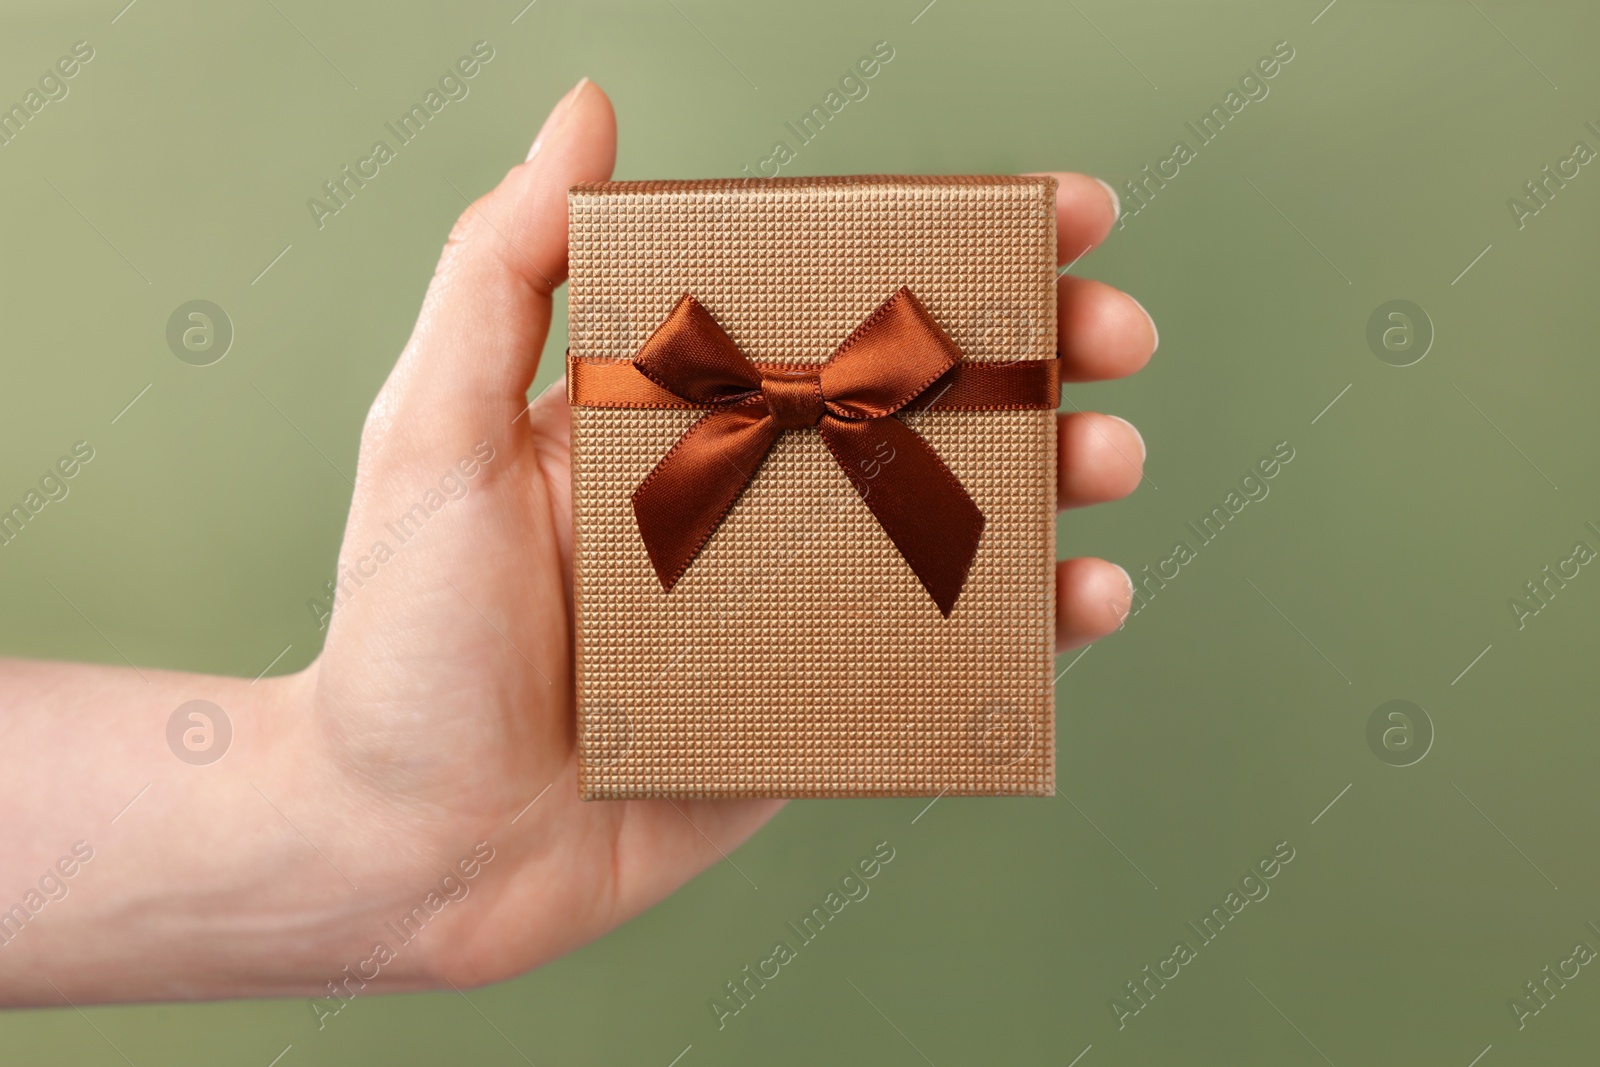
(798, 654)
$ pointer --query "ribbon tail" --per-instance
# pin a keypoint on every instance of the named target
(923, 508)
(683, 500)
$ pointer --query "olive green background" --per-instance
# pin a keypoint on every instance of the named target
(1221, 721)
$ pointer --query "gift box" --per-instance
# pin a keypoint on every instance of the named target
(813, 486)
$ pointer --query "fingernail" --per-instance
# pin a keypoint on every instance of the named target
(1137, 436)
(1155, 334)
(558, 117)
(1116, 201)
(1126, 577)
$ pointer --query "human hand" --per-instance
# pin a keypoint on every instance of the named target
(442, 705)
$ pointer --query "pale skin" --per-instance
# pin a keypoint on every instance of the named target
(442, 702)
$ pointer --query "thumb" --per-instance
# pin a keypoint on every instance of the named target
(477, 341)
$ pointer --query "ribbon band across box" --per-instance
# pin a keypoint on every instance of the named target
(898, 357)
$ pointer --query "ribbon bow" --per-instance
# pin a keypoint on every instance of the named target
(888, 361)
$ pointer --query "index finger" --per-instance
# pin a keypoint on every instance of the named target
(1086, 209)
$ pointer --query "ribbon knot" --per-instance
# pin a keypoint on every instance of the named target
(794, 398)
(889, 360)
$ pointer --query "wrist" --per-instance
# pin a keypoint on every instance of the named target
(382, 891)
(342, 858)
(215, 847)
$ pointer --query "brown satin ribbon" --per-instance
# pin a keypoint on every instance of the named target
(897, 359)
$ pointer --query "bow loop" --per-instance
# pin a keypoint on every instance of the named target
(693, 358)
(887, 361)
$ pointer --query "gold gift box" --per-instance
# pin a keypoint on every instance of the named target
(798, 655)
